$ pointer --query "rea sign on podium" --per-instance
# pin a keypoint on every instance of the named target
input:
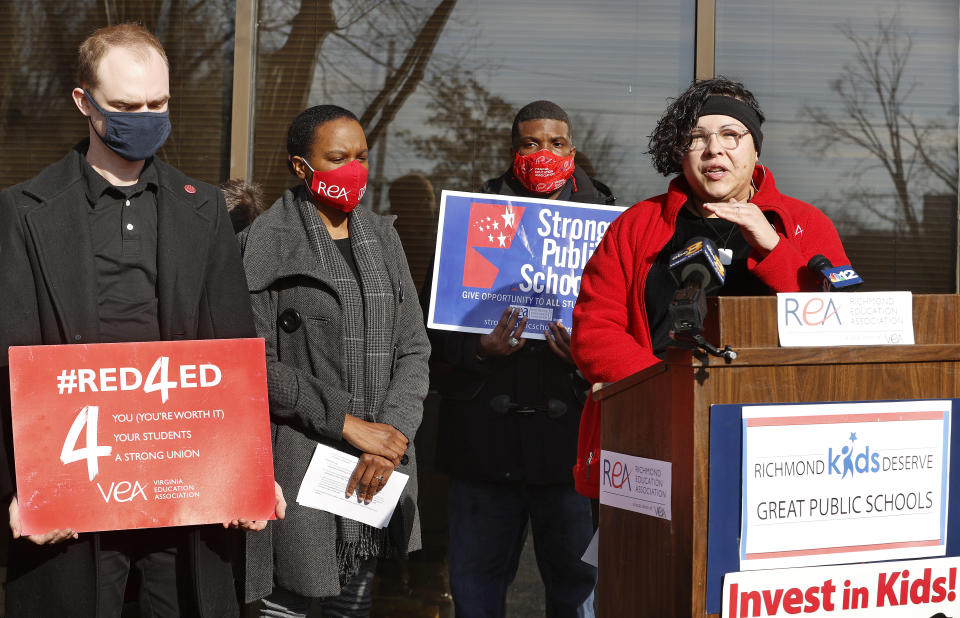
(137, 435)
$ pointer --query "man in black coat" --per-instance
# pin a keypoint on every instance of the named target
(110, 244)
(508, 468)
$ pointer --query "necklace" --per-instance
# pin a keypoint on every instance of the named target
(726, 254)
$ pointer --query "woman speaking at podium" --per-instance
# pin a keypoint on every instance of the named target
(710, 137)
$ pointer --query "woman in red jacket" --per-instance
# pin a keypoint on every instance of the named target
(709, 135)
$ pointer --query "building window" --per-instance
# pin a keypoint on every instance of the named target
(861, 105)
(38, 64)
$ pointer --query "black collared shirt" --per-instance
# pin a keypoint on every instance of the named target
(123, 231)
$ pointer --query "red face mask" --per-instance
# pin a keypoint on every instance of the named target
(542, 171)
(342, 188)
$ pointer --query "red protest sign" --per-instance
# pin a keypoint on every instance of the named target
(136, 435)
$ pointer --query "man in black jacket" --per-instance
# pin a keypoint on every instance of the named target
(508, 468)
(110, 244)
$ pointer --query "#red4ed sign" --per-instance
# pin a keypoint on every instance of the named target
(138, 435)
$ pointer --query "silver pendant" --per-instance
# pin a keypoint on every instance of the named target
(726, 256)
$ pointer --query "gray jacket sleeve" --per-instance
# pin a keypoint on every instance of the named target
(403, 405)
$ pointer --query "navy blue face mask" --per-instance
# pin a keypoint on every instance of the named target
(135, 136)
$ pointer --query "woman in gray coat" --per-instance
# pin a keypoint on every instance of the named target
(346, 367)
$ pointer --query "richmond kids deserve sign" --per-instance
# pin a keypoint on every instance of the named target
(844, 482)
(138, 435)
(494, 251)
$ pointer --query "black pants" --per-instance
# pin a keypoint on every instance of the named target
(159, 560)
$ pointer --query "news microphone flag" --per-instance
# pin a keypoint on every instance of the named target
(699, 251)
(836, 279)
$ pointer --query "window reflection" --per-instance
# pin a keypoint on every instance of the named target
(861, 104)
(436, 84)
(38, 53)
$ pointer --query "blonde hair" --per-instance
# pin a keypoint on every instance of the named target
(130, 35)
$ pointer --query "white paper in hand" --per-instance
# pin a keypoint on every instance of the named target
(325, 484)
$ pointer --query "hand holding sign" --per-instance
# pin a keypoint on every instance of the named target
(504, 339)
(48, 538)
(280, 511)
(558, 338)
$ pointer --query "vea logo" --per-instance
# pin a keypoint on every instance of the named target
(851, 461)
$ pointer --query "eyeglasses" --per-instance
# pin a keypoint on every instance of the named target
(727, 137)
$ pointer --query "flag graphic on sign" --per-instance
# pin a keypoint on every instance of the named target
(491, 226)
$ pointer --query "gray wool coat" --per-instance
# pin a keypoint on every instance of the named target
(308, 396)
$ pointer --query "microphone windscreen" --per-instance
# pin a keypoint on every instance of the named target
(556, 408)
(833, 279)
(500, 404)
(701, 251)
(818, 262)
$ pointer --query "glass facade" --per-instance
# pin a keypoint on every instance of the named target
(38, 55)
(437, 84)
(861, 105)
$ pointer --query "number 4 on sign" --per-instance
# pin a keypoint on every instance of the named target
(88, 416)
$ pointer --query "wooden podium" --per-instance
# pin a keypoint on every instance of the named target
(653, 567)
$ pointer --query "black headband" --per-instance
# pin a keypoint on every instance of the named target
(735, 108)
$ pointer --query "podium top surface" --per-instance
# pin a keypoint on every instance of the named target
(749, 326)
(751, 321)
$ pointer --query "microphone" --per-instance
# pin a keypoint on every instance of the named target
(698, 270)
(502, 404)
(839, 279)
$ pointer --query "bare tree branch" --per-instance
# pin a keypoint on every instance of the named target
(408, 75)
(873, 96)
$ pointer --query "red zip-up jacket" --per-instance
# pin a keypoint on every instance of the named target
(611, 333)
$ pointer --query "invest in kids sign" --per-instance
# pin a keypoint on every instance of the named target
(901, 589)
(497, 251)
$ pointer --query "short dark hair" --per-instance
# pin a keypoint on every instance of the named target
(538, 110)
(301, 132)
(668, 143)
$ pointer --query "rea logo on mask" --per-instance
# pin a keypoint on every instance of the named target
(334, 187)
(336, 192)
